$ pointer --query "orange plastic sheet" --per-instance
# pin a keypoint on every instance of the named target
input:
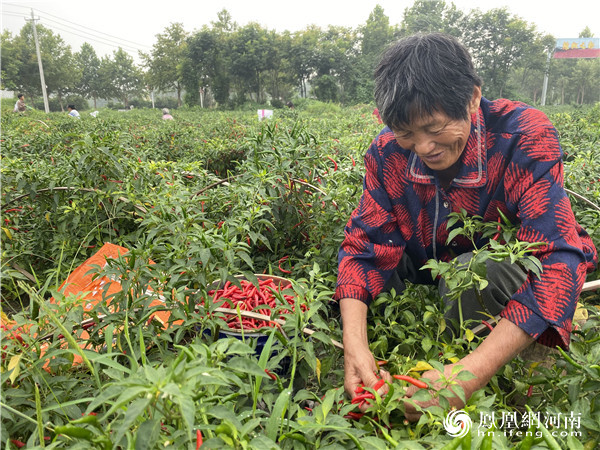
(89, 291)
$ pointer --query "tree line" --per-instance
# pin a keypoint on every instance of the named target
(229, 65)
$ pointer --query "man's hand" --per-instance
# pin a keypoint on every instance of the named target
(498, 348)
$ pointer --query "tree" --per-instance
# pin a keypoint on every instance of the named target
(335, 61)
(206, 67)
(499, 42)
(252, 54)
(57, 60)
(89, 64)
(376, 36)
(586, 33)
(11, 62)
(280, 76)
(166, 60)
(426, 16)
(585, 78)
(302, 58)
(119, 77)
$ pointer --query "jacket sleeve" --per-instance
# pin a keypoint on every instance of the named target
(373, 244)
(544, 307)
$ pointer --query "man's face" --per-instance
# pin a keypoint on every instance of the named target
(437, 140)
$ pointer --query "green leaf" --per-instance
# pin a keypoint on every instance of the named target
(188, 411)
(326, 405)
(277, 414)
(426, 344)
(464, 375)
(134, 411)
(147, 434)
(245, 365)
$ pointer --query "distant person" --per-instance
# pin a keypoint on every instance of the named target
(290, 105)
(166, 115)
(73, 112)
(20, 105)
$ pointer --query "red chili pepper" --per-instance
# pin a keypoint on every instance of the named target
(17, 443)
(199, 441)
(353, 415)
(497, 235)
(353, 162)
(249, 298)
(88, 325)
(487, 324)
(362, 397)
(530, 390)
(378, 385)
(280, 268)
(418, 383)
(335, 166)
(271, 375)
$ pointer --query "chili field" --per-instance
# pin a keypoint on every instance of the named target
(210, 203)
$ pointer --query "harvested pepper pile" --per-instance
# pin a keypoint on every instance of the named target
(249, 298)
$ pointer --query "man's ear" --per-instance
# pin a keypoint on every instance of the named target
(475, 100)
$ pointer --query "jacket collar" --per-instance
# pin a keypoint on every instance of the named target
(473, 169)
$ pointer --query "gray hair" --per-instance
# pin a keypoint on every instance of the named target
(421, 74)
(165, 110)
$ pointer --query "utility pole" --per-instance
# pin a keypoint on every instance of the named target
(546, 73)
(39, 58)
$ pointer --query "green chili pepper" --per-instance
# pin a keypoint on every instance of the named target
(295, 436)
(546, 435)
(528, 441)
(465, 443)
(90, 418)
(569, 359)
(590, 445)
(453, 444)
(76, 432)
(487, 441)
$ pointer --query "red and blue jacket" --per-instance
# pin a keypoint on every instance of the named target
(512, 162)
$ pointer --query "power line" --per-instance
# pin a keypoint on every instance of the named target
(85, 29)
(97, 39)
(12, 14)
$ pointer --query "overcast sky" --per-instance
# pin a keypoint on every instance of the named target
(134, 24)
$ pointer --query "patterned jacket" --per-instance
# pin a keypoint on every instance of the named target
(512, 162)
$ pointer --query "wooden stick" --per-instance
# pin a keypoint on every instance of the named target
(591, 286)
(253, 315)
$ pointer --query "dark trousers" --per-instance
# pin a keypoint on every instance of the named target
(504, 279)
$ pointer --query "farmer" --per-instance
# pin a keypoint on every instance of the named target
(444, 148)
(166, 115)
(20, 105)
(73, 112)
